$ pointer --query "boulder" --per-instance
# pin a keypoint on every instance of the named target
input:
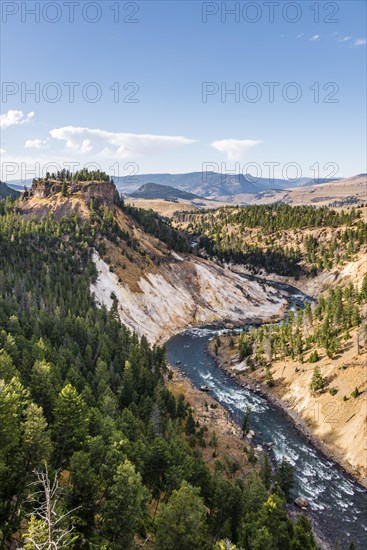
(301, 502)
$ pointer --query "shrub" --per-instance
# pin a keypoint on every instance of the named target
(269, 378)
(314, 357)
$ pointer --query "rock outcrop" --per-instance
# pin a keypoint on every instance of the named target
(301, 502)
(101, 192)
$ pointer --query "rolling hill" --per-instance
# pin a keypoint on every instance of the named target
(165, 192)
(6, 191)
(212, 184)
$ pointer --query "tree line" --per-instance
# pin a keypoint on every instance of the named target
(326, 326)
(159, 227)
(79, 176)
(259, 237)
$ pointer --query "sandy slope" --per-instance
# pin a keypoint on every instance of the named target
(160, 292)
(338, 422)
(340, 425)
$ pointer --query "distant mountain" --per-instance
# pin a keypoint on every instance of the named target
(211, 184)
(203, 184)
(19, 185)
(6, 191)
(306, 182)
(158, 191)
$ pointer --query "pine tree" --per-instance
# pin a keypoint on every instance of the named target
(269, 378)
(303, 538)
(125, 506)
(190, 425)
(317, 382)
(70, 426)
(265, 471)
(284, 477)
(246, 421)
(314, 357)
(182, 522)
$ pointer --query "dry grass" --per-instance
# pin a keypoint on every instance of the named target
(169, 208)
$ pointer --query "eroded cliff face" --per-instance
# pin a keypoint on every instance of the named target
(100, 191)
(185, 292)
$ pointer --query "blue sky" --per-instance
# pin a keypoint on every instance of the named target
(164, 60)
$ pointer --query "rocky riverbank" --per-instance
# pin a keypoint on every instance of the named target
(260, 388)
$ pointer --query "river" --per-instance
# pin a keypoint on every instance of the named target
(337, 504)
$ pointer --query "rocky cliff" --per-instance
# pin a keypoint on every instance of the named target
(104, 192)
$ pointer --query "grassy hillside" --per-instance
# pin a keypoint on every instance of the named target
(280, 239)
(156, 191)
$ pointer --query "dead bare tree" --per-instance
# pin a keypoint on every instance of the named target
(53, 527)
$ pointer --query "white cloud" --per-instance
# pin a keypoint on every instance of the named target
(344, 38)
(86, 146)
(300, 35)
(13, 118)
(235, 149)
(2, 151)
(315, 38)
(124, 145)
(35, 143)
(359, 42)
